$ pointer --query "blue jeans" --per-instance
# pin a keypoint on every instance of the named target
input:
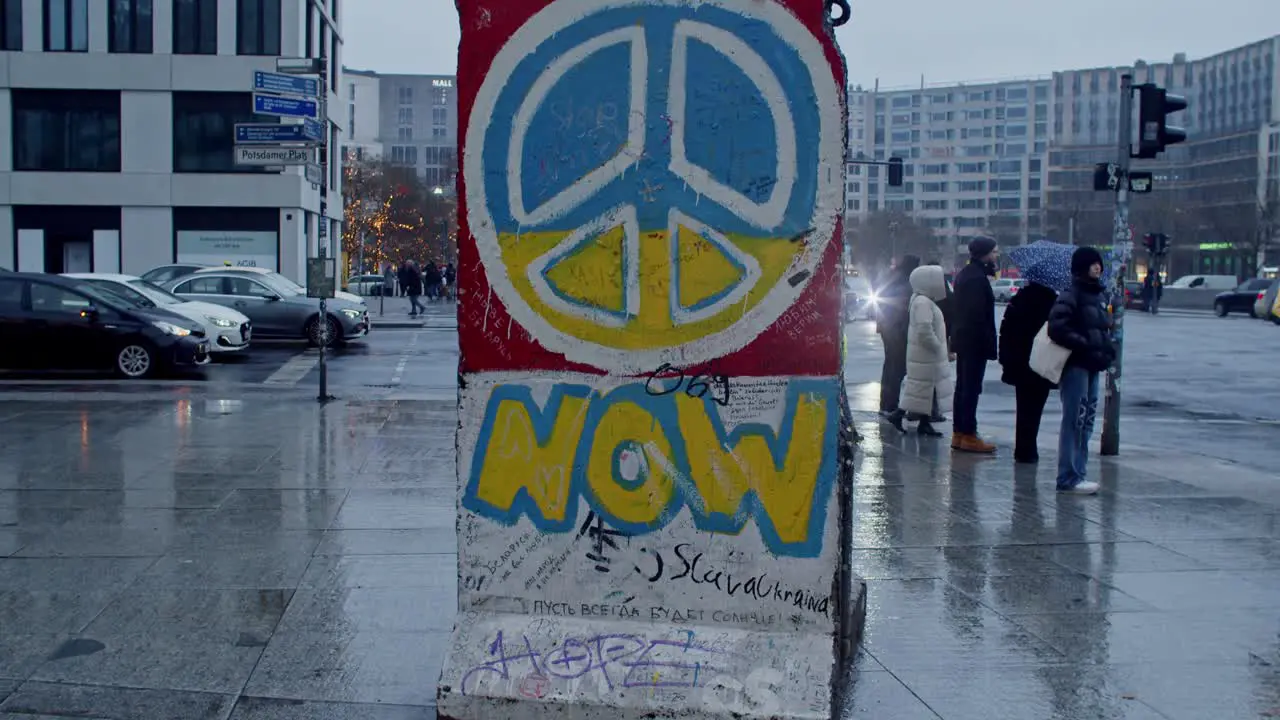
(1079, 391)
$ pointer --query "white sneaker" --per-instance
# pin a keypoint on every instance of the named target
(1084, 487)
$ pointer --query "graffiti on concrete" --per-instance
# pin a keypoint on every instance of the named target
(638, 459)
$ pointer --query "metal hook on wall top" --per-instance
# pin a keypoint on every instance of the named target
(845, 12)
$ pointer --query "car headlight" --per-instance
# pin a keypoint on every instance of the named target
(353, 314)
(221, 322)
(171, 329)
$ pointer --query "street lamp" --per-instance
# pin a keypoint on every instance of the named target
(437, 190)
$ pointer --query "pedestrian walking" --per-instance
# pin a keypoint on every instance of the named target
(974, 341)
(451, 279)
(891, 324)
(1157, 292)
(413, 286)
(1079, 323)
(403, 275)
(1026, 313)
(432, 278)
(928, 381)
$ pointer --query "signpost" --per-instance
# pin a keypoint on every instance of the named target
(1140, 182)
(297, 90)
(277, 134)
(282, 106)
(281, 84)
(272, 155)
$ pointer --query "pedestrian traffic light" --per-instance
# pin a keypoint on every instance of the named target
(895, 172)
(1154, 131)
(1149, 242)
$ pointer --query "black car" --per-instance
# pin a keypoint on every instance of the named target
(56, 323)
(1242, 299)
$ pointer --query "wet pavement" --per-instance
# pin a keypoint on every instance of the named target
(237, 550)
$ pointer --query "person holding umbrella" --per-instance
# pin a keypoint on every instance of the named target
(1046, 266)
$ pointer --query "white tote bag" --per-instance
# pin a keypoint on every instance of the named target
(1048, 358)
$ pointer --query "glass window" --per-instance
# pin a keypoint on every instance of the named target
(195, 27)
(130, 29)
(123, 291)
(10, 24)
(258, 27)
(245, 287)
(10, 296)
(439, 116)
(66, 25)
(66, 130)
(405, 94)
(54, 299)
(201, 286)
(204, 130)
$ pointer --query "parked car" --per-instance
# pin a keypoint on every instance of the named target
(1241, 299)
(1006, 288)
(50, 322)
(859, 299)
(1267, 304)
(277, 307)
(1204, 282)
(165, 273)
(275, 279)
(367, 285)
(228, 330)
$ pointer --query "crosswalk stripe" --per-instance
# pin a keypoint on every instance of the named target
(292, 372)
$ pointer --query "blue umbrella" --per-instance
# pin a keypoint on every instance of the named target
(1045, 263)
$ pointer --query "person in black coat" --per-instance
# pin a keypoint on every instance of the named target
(1080, 323)
(1026, 313)
(891, 323)
(973, 340)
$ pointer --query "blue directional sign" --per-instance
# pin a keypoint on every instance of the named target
(285, 106)
(285, 84)
(275, 134)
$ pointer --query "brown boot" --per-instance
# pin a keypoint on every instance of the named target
(972, 444)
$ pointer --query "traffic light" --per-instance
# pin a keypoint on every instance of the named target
(1154, 131)
(1149, 242)
(895, 172)
(1156, 243)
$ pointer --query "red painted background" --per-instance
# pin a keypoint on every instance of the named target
(806, 342)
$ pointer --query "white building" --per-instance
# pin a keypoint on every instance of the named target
(116, 134)
(362, 133)
(974, 157)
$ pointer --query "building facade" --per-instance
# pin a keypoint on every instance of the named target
(1212, 192)
(974, 157)
(1016, 159)
(417, 122)
(362, 133)
(118, 125)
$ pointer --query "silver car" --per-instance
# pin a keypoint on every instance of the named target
(277, 306)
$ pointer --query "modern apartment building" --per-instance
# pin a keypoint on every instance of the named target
(974, 157)
(1210, 190)
(416, 118)
(117, 121)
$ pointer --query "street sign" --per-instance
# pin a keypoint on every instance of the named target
(285, 84)
(321, 277)
(1140, 182)
(285, 106)
(268, 155)
(300, 66)
(314, 174)
(1106, 176)
(277, 134)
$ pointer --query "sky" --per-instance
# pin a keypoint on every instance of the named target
(897, 42)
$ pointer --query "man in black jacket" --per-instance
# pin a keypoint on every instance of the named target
(891, 323)
(973, 340)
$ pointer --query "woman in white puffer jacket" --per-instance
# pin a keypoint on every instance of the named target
(929, 382)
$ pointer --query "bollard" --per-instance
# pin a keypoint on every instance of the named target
(651, 406)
